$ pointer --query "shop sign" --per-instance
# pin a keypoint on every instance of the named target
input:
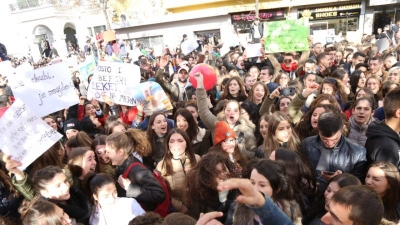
(331, 12)
(263, 15)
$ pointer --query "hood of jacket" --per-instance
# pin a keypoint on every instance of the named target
(379, 129)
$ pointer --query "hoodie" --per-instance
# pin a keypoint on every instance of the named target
(383, 143)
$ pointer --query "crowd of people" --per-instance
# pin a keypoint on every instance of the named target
(286, 138)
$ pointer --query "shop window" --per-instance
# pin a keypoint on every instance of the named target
(149, 42)
(210, 36)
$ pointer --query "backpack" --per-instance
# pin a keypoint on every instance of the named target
(161, 208)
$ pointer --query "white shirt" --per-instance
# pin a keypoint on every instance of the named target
(121, 212)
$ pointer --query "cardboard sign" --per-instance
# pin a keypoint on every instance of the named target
(46, 89)
(24, 135)
(112, 79)
(109, 35)
(253, 50)
(286, 36)
(189, 46)
(151, 94)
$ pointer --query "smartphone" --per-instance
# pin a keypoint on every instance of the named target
(328, 172)
(288, 91)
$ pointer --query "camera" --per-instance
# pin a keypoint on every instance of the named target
(288, 91)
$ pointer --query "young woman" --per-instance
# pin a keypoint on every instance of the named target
(308, 125)
(11, 198)
(103, 161)
(280, 134)
(40, 211)
(200, 138)
(108, 208)
(225, 142)
(363, 110)
(269, 177)
(234, 90)
(79, 140)
(320, 205)
(114, 127)
(258, 93)
(90, 109)
(52, 184)
(243, 128)
(384, 178)
(394, 74)
(52, 122)
(275, 102)
(140, 183)
(339, 58)
(362, 92)
(334, 87)
(375, 84)
(81, 161)
(299, 175)
(194, 110)
(357, 80)
(282, 79)
(156, 131)
(202, 181)
(178, 160)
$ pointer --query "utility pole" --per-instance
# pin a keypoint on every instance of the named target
(256, 8)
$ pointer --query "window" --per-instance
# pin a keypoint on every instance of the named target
(150, 42)
(98, 29)
(90, 32)
(25, 4)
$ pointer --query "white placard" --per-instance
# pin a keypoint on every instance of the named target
(253, 50)
(46, 89)
(134, 54)
(24, 135)
(113, 78)
(158, 50)
(6, 69)
(225, 49)
(189, 46)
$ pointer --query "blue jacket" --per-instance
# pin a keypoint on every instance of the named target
(271, 214)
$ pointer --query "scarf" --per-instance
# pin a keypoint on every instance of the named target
(292, 67)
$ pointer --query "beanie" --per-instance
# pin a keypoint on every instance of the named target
(72, 124)
(222, 132)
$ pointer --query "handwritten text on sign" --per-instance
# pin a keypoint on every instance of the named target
(113, 78)
(286, 36)
(24, 135)
(45, 90)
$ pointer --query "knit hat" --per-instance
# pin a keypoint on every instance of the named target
(72, 124)
(222, 132)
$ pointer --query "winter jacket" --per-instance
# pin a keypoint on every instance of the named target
(173, 89)
(203, 142)
(144, 187)
(212, 204)
(295, 107)
(77, 206)
(244, 216)
(177, 182)
(383, 143)
(347, 156)
(243, 128)
(357, 132)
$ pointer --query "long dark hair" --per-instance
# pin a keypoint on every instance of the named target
(151, 134)
(193, 128)
(167, 164)
(242, 93)
(354, 78)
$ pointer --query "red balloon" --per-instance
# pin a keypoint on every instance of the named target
(209, 75)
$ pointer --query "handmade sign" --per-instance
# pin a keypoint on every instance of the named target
(189, 46)
(6, 69)
(286, 36)
(109, 35)
(112, 79)
(151, 95)
(46, 89)
(24, 135)
(86, 69)
(253, 50)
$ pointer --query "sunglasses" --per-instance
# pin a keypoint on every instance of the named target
(311, 72)
(287, 60)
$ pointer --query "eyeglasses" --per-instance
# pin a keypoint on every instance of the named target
(287, 60)
(311, 72)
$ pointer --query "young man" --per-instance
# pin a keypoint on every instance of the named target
(358, 57)
(266, 75)
(330, 153)
(376, 68)
(383, 143)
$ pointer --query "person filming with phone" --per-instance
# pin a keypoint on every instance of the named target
(330, 153)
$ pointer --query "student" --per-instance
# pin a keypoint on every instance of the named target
(383, 140)
(40, 211)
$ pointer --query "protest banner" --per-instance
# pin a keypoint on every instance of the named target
(112, 78)
(6, 68)
(86, 69)
(151, 94)
(24, 135)
(189, 46)
(286, 36)
(253, 50)
(45, 90)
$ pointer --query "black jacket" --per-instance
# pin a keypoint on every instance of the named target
(383, 143)
(145, 188)
(347, 156)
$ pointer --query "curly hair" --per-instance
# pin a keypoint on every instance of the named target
(339, 89)
(200, 180)
(242, 93)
